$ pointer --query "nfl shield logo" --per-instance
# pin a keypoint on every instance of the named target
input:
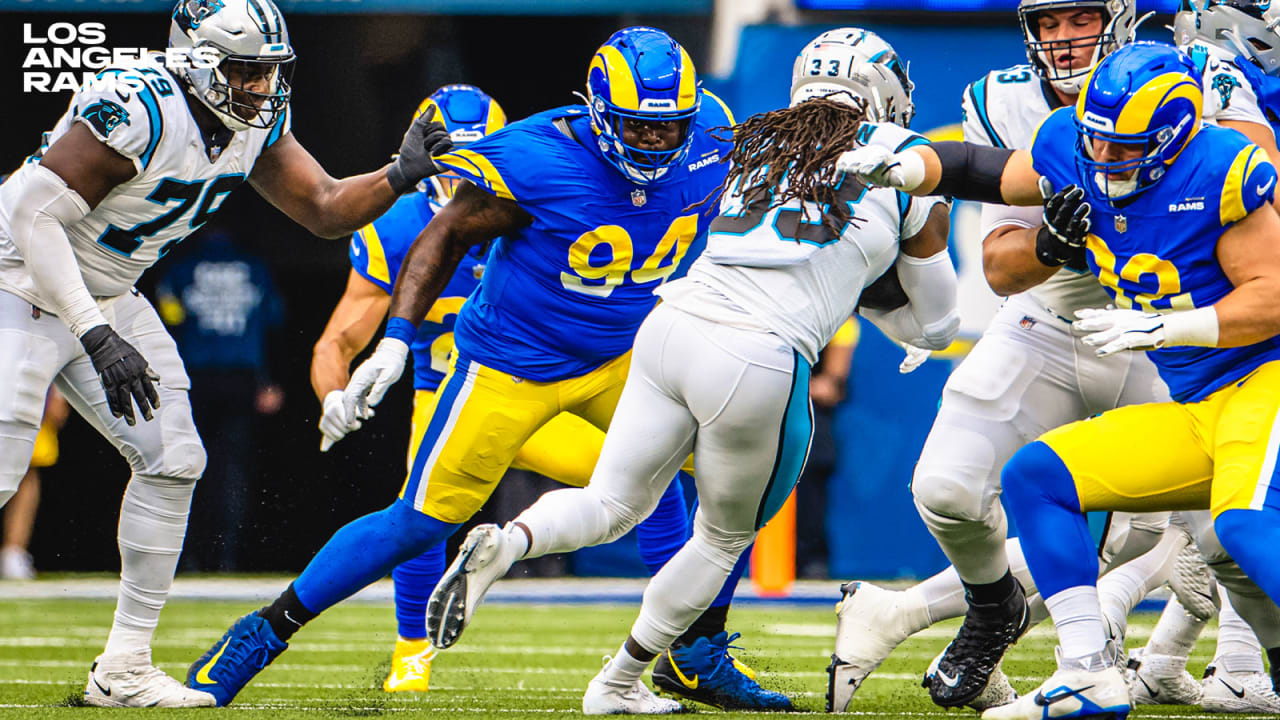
(1027, 322)
(1122, 224)
(637, 198)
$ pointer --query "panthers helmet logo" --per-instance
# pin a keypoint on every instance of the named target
(190, 13)
(105, 116)
(1225, 84)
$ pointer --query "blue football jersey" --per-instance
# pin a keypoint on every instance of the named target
(567, 293)
(376, 253)
(1157, 253)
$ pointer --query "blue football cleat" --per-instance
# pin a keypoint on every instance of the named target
(248, 647)
(705, 672)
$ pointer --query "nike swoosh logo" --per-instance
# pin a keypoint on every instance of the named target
(107, 691)
(1238, 693)
(1044, 701)
(202, 677)
(1153, 692)
(691, 684)
(947, 679)
(290, 619)
(1263, 190)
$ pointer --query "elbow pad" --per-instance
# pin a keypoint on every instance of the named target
(971, 172)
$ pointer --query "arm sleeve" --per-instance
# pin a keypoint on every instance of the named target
(41, 210)
(930, 320)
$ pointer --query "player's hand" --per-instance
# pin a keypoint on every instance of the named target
(914, 359)
(1112, 330)
(124, 373)
(370, 381)
(424, 140)
(1061, 239)
(875, 166)
(336, 422)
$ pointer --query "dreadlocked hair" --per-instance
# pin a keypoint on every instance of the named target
(799, 144)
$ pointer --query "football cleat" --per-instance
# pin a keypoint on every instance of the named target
(870, 623)
(1074, 691)
(1160, 680)
(130, 680)
(483, 557)
(1226, 692)
(1194, 584)
(999, 691)
(410, 666)
(244, 650)
(966, 665)
(704, 671)
(604, 698)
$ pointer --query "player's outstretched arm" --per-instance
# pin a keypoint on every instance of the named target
(291, 179)
(956, 169)
(352, 325)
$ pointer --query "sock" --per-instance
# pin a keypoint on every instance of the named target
(286, 614)
(1249, 536)
(624, 670)
(1078, 617)
(1176, 632)
(415, 580)
(661, 534)
(708, 624)
(153, 524)
(365, 550)
(1042, 497)
(943, 595)
(1124, 587)
(1238, 649)
(990, 593)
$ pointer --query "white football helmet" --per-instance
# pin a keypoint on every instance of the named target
(859, 64)
(250, 40)
(1119, 22)
(1243, 27)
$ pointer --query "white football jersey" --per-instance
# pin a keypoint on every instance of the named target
(1227, 92)
(783, 270)
(1003, 109)
(177, 188)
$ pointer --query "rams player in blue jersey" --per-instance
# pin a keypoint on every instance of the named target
(1176, 222)
(565, 449)
(589, 208)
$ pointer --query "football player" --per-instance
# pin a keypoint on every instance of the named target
(1193, 280)
(142, 157)
(591, 208)
(786, 261)
(564, 449)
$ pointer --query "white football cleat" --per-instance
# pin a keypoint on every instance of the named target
(130, 680)
(603, 698)
(1193, 583)
(1161, 680)
(483, 557)
(1226, 692)
(870, 623)
(999, 691)
(1072, 692)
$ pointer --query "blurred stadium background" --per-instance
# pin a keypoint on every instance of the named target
(363, 66)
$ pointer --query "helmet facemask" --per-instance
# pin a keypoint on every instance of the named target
(640, 165)
(1116, 28)
(252, 92)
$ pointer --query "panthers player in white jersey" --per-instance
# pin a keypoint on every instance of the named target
(142, 158)
(1027, 375)
(785, 264)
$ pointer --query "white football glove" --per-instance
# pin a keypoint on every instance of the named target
(1112, 329)
(371, 380)
(914, 359)
(335, 422)
(875, 166)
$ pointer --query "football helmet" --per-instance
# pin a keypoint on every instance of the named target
(1145, 94)
(251, 44)
(468, 113)
(1119, 22)
(641, 73)
(858, 63)
(1243, 27)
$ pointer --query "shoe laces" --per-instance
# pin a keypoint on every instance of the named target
(980, 627)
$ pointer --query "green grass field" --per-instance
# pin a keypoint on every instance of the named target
(515, 661)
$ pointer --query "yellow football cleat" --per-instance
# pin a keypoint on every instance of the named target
(410, 666)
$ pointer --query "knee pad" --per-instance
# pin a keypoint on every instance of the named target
(956, 476)
(172, 448)
(721, 547)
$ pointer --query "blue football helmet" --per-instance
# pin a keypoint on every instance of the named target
(1144, 94)
(468, 113)
(641, 74)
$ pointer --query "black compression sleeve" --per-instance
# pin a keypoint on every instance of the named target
(971, 172)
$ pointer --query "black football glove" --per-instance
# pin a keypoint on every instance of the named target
(1066, 224)
(423, 140)
(124, 373)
